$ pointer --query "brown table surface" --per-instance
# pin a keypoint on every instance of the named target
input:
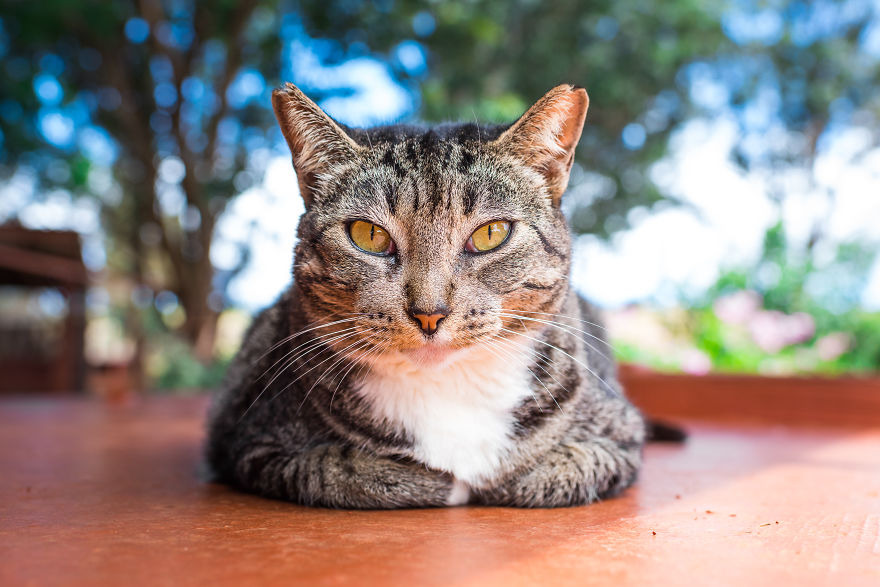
(92, 494)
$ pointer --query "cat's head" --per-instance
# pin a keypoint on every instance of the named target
(422, 241)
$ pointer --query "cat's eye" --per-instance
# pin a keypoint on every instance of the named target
(488, 236)
(370, 237)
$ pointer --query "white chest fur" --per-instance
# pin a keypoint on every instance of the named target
(460, 416)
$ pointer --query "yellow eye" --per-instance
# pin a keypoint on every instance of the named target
(488, 236)
(370, 237)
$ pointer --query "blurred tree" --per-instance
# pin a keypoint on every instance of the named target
(178, 89)
(802, 82)
(175, 91)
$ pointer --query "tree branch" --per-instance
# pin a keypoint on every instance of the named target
(233, 62)
(135, 122)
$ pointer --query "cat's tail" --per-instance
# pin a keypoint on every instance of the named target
(658, 431)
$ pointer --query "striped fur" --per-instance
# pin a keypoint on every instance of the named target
(360, 409)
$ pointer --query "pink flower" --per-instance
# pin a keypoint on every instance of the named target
(773, 331)
(833, 345)
(767, 331)
(695, 362)
(738, 307)
(800, 327)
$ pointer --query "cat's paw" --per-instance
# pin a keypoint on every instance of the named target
(361, 480)
(570, 474)
(460, 494)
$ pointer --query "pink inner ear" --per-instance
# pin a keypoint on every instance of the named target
(575, 112)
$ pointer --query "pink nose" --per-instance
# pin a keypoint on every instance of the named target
(428, 322)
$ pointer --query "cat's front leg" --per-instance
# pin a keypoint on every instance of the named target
(572, 473)
(335, 476)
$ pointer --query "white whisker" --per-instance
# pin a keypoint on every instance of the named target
(599, 326)
(329, 369)
(289, 363)
(494, 347)
(311, 346)
(286, 387)
(354, 363)
(315, 340)
(539, 366)
(301, 332)
(593, 373)
(564, 328)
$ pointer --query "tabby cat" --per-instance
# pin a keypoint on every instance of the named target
(430, 351)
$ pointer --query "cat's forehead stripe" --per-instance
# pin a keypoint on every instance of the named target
(433, 165)
(391, 161)
(466, 162)
(391, 198)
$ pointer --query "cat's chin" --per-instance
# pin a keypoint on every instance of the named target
(431, 355)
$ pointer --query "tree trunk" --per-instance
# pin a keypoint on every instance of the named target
(200, 326)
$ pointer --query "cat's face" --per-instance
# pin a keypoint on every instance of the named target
(425, 242)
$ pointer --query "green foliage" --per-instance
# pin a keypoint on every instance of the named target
(836, 336)
(173, 366)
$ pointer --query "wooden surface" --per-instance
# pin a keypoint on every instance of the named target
(843, 402)
(97, 494)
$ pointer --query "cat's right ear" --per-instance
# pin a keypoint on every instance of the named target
(316, 142)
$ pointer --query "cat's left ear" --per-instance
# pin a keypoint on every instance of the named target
(546, 135)
(315, 140)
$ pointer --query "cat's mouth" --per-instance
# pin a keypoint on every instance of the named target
(431, 354)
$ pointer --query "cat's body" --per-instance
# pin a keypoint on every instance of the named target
(432, 372)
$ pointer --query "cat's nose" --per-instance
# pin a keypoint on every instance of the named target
(428, 321)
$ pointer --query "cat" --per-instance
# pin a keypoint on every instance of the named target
(430, 350)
